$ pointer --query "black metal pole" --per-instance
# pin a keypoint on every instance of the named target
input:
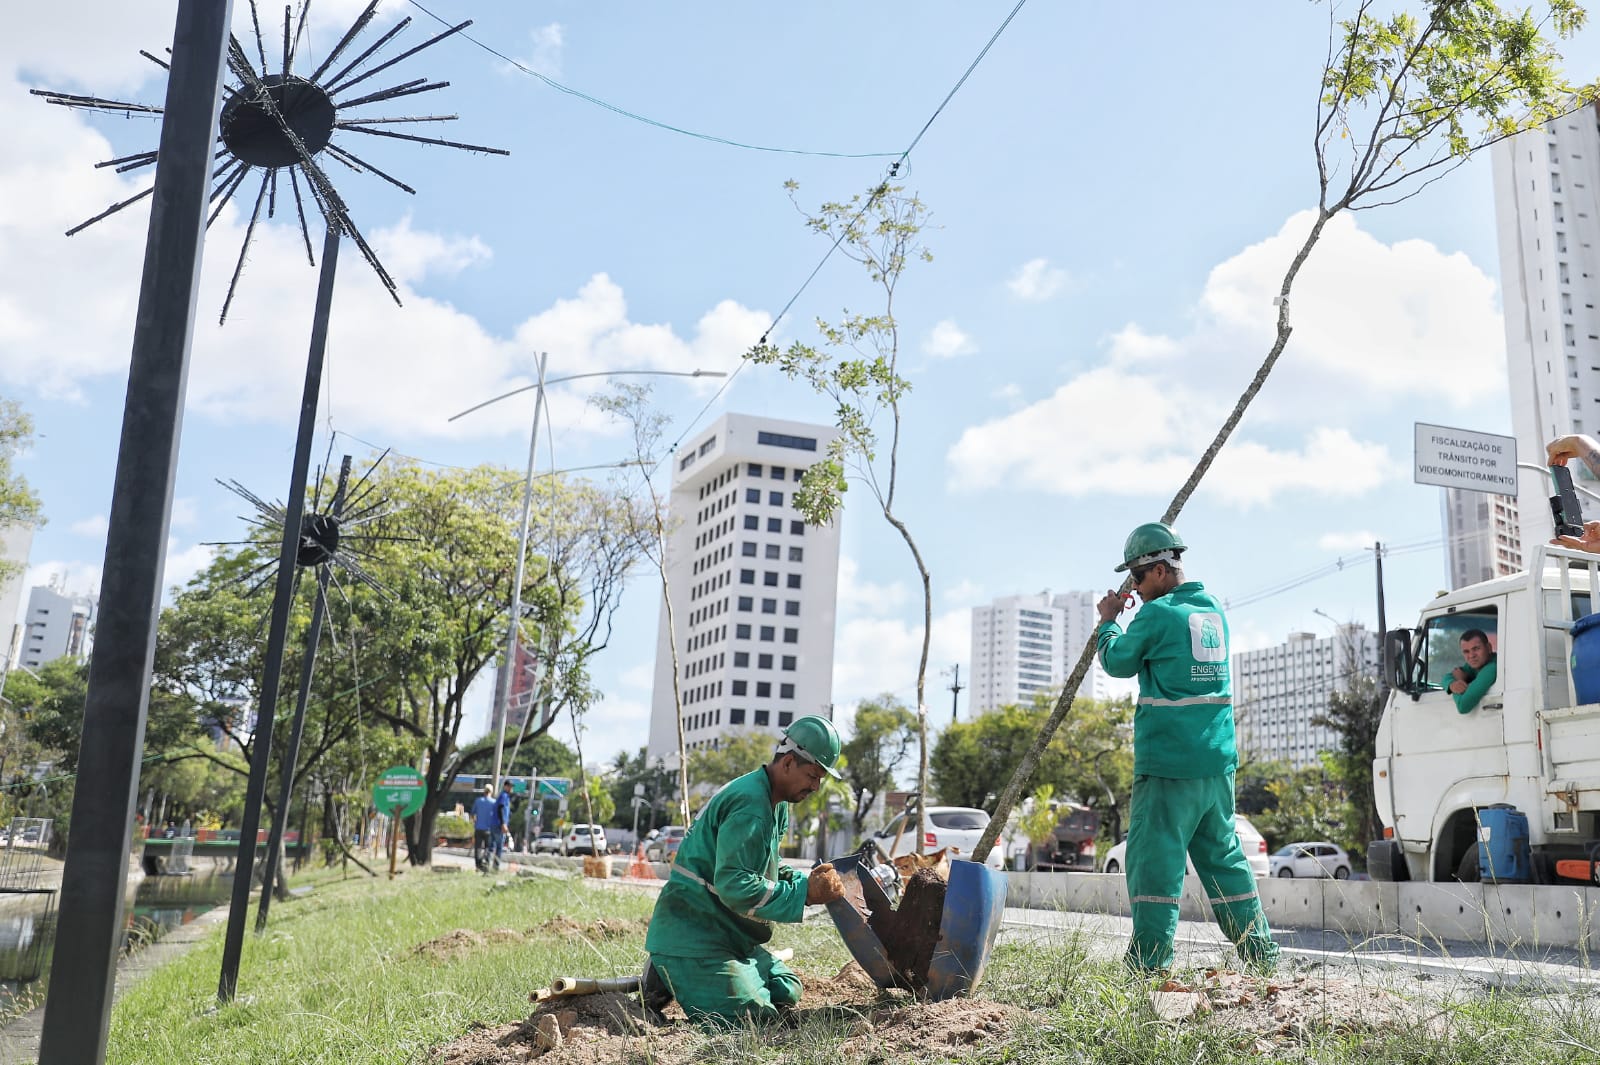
(294, 509)
(291, 754)
(90, 929)
(1383, 631)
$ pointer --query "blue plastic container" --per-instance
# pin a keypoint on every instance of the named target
(1503, 856)
(1586, 658)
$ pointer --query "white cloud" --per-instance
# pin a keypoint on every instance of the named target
(92, 528)
(1346, 541)
(640, 675)
(1010, 393)
(947, 340)
(72, 576)
(1428, 326)
(859, 597)
(547, 44)
(1037, 281)
(183, 512)
(964, 592)
(182, 565)
(877, 655)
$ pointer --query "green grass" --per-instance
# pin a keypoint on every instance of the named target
(337, 979)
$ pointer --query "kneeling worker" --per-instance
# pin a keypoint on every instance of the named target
(1183, 755)
(727, 887)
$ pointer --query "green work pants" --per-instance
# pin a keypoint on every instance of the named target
(723, 992)
(1171, 819)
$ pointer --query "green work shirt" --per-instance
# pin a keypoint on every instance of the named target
(727, 885)
(1477, 684)
(1177, 645)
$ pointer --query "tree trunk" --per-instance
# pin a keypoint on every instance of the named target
(1030, 760)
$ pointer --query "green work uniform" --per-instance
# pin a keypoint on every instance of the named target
(1478, 684)
(1183, 763)
(717, 908)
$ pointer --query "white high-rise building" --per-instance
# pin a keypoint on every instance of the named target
(57, 626)
(15, 541)
(1278, 691)
(754, 588)
(1024, 646)
(1547, 214)
(1482, 536)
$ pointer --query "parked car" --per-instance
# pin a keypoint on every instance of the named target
(1319, 859)
(547, 842)
(956, 827)
(665, 844)
(584, 839)
(1250, 841)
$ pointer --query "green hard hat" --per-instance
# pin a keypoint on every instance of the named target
(814, 739)
(1154, 541)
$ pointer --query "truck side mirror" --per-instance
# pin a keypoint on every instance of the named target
(1398, 661)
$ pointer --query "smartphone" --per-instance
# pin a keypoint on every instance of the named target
(1564, 504)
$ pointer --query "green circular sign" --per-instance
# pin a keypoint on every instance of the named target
(401, 787)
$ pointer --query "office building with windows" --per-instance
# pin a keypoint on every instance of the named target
(753, 588)
(57, 626)
(1279, 691)
(1547, 217)
(1482, 537)
(1025, 646)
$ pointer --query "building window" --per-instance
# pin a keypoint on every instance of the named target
(707, 446)
(767, 633)
(786, 691)
(788, 663)
(746, 576)
(794, 581)
(739, 686)
(779, 473)
(753, 469)
(774, 525)
(740, 632)
(761, 717)
(735, 713)
(799, 473)
(773, 550)
(740, 658)
(785, 718)
(751, 495)
(763, 689)
(769, 606)
(796, 528)
(750, 522)
(764, 661)
(688, 460)
(791, 607)
(775, 498)
(799, 443)
(791, 635)
(797, 554)
(769, 579)
(746, 603)
(747, 549)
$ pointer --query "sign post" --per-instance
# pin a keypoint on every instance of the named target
(1461, 458)
(399, 793)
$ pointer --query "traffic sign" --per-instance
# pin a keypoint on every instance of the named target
(554, 786)
(402, 787)
(1461, 458)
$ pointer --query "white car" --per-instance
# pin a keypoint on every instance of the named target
(1319, 859)
(665, 846)
(956, 827)
(584, 839)
(547, 843)
(1250, 841)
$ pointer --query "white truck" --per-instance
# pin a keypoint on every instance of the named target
(1528, 744)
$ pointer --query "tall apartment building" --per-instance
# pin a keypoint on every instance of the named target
(1547, 214)
(754, 589)
(1277, 691)
(57, 625)
(1482, 536)
(1026, 645)
(15, 542)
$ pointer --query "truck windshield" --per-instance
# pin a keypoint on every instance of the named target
(1442, 648)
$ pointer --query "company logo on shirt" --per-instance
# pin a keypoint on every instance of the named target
(1206, 640)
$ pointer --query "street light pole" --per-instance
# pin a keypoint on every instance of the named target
(503, 685)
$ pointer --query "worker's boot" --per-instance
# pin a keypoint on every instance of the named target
(655, 993)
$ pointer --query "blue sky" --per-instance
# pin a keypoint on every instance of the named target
(1115, 200)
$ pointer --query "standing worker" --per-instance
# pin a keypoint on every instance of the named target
(727, 887)
(502, 815)
(485, 810)
(1183, 755)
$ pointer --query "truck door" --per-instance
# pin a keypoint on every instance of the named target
(1436, 744)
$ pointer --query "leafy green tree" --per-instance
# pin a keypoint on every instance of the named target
(1310, 805)
(857, 367)
(972, 756)
(1402, 100)
(19, 505)
(1353, 714)
(881, 739)
(712, 767)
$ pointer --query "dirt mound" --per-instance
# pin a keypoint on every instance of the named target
(1269, 1013)
(451, 945)
(604, 928)
(947, 1029)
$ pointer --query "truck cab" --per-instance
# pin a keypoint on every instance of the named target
(1527, 743)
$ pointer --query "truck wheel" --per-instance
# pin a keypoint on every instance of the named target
(1467, 872)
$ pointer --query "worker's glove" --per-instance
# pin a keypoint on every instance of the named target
(823, 885)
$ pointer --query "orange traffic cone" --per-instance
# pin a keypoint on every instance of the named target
(639, 869)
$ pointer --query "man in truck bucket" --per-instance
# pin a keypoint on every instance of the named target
(1184, 755)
